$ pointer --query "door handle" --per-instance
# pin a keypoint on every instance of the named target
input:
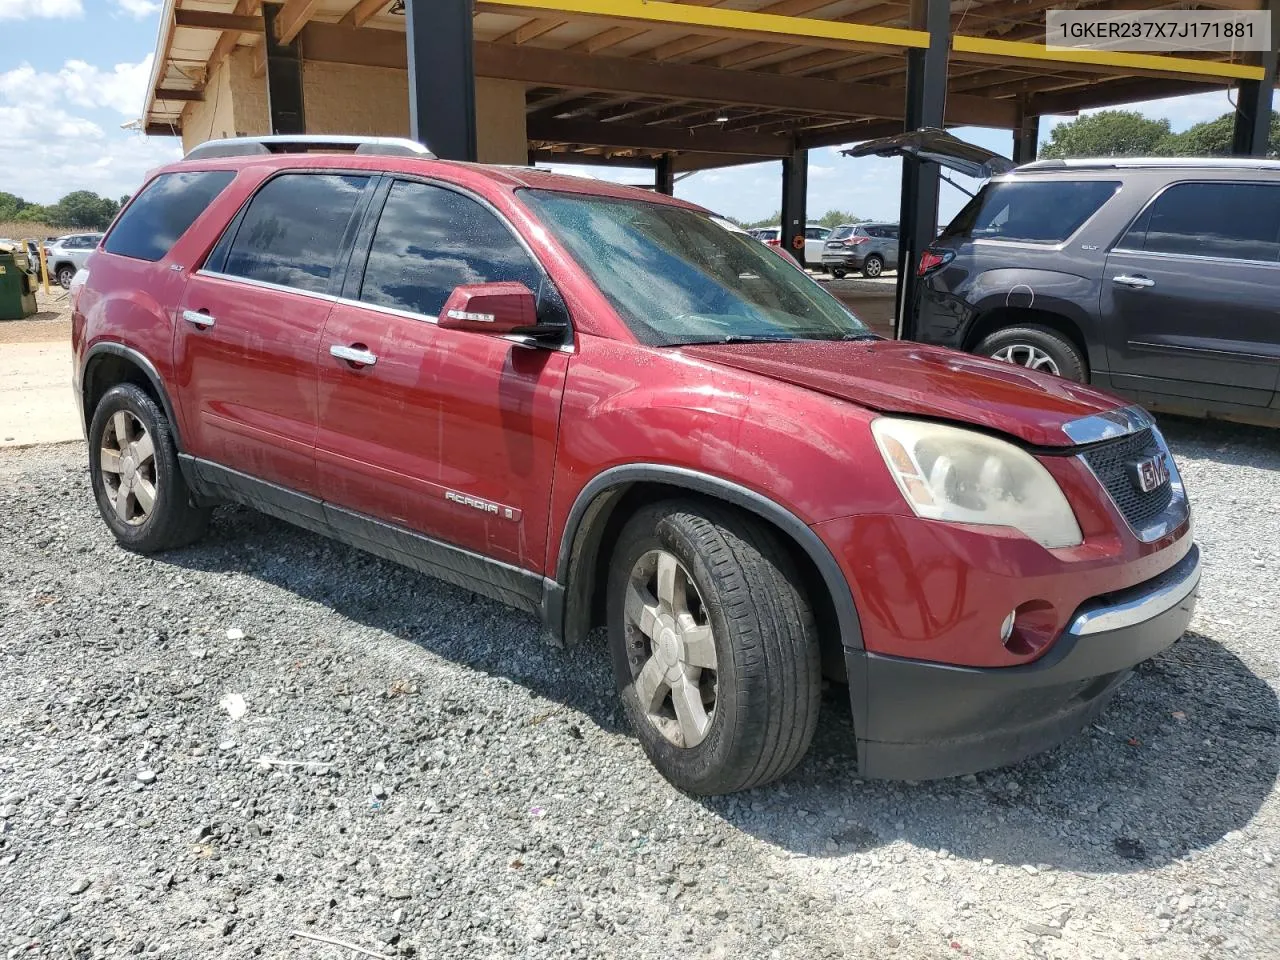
(1129, 281)
(198, 318)
(353, 355)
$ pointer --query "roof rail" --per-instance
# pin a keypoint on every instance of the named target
(308, 143)
(1225, 163)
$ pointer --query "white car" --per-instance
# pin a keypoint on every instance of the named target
(815, 237)
(68, 254)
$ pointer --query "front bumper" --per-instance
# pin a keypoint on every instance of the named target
(919, 720)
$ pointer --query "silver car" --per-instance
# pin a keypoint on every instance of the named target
(68, 254)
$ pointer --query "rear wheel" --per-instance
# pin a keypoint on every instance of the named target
(133, 464)
(65, 274)
(1036, 348)
(839, 273)
(873, 266)
(714, 647)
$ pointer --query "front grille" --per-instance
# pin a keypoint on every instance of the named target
(1110, 462)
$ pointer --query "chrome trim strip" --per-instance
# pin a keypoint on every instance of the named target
(1108, 426)
(265, 285)
(1138, 609)
(1163, 255)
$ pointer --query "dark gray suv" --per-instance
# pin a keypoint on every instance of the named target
(1156, 279)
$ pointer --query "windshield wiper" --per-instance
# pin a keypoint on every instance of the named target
(862, 336)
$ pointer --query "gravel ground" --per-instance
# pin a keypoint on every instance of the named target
(211, 752)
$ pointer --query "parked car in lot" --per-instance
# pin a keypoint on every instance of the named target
(815, 235)
(1152, 278)
(869, 247)
(602, 406)
(66, 255)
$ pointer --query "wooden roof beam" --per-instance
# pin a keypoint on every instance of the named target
(640, 137)
(364, 11)
(208, 20)
(686, 45)
(293, 16)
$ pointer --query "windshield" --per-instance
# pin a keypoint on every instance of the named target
(676, 276)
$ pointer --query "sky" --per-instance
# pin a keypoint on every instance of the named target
(72, 72)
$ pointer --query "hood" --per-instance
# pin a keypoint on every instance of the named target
(899, 376)
(930, 143)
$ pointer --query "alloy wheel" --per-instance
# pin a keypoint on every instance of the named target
(671, 649)
(873, 267)
(128, 467)
(1027, 355)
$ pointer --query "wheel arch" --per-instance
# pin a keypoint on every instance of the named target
(107, 364)
(609, 499)
(997, 318)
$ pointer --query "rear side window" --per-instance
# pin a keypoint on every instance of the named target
(1034, 211)
(291, 234)
(167, 206)
(1235, 221)
(430, 240)
(842, 233)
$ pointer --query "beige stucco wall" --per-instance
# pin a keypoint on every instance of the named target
(500, 122)
(342, 98)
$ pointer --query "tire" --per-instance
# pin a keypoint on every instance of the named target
(873, 266)
(764, 687)
(64, 275)
(1039, 348)
(172, 520)
(838, 274)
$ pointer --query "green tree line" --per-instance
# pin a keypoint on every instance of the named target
(832, 218)
(80, 210)
(1124, 133)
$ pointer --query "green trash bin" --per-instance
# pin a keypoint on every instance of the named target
(17, 288)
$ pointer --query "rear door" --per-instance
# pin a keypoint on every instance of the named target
(449, 433)
(815, 238)
(1191, 294)
(247, 335)
(891, 246)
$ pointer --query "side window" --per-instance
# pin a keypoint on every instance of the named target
(291, 233)
(158, 216)
(1236, 221)
(1033, 211)
(430, 240)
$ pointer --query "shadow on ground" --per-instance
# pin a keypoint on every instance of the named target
(1185, 753)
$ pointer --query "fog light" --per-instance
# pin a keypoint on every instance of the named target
(1006, 628)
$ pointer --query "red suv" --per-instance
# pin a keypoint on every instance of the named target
(609, 407)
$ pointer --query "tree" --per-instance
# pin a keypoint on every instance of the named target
(1213, 139)
(834, 218)
(11, 206)
(769, 221)
(84, 209)
(1108, 133)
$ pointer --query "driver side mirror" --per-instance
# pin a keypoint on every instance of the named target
(494, 308)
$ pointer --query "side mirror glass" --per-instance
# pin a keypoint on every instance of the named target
(493, 308)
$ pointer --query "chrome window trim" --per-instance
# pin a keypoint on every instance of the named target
(1108, 426)
(266, 285)
(1235, 354)
(1137, 609)
(1161, 255)
(346, 301)
(1178, 509)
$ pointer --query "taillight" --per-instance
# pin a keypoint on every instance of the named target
(774, 243)
(931, 260)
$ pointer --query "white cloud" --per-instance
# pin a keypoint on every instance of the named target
(138, 8)
(48, 152)
(122, 88)
(52, 9)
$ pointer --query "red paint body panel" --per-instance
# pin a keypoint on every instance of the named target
(897, 376)
(248, 383)
(441, 410)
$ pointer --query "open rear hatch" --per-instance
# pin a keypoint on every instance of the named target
(938, 146)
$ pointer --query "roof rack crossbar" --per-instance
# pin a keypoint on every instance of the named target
(309, 143)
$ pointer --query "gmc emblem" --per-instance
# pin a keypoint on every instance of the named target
(1150, 474)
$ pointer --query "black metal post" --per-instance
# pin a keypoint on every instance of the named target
(664, 176)
(795, 189)
(284, 79)
(1252, 128)
(442, 81)
(926, 103)
(1026, 138)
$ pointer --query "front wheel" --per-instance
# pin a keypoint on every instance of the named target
(1037, 348)
(133, 464)
(714, 646)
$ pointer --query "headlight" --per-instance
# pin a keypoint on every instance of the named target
(947, 473)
